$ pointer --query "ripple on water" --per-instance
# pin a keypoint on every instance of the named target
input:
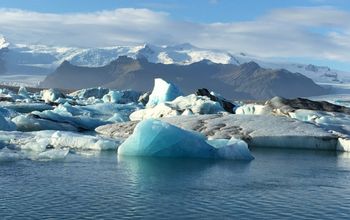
(277, 185)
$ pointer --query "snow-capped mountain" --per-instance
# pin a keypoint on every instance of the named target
(42, 59)
(3, 43)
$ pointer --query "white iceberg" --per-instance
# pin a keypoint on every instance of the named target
(251, 109)
(162, 92)
(22, 91)
(88, 117)
(231, 148)
(50, 145)
(182, 105)
(121, 97)
(332, 121)
(51, 95)
(97, 93)
(160, 139)
(26, 107)
(53, 154)
(30, 123)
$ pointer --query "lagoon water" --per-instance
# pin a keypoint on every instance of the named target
(278, 184)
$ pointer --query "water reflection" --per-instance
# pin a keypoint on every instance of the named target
(148, 170)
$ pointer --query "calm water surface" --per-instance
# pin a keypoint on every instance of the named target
(278, 184)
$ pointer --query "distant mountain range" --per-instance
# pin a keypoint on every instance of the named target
(41, 59)
(245, 81)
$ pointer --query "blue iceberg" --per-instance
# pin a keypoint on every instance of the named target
(160, 139)
(163, 92)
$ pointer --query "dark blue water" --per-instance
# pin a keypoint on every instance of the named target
(278, 184)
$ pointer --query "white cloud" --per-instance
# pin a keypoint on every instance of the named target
(315, 32)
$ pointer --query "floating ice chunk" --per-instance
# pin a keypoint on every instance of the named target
(159, 111)
(6, 124)
(183, 105)
(91, 116)
(79, 122)
(31, 123)
(251, 109)
(41, 141)
(7, 155)
(332, 121)
(53, 154)
(121, 97)
(197, 104)
(5, 91)
(51, 95)
(118, 117)
(22, 91)
(113, 96)
(61, 139)
(162, 92)
(232, 148)
(49, 145)
(97, 93)
(26, 107)
(8, 113)
(156, 138)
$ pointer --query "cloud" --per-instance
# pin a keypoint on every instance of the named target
(314, 32)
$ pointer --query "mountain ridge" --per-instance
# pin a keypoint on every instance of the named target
(245, 81)
(41, 59)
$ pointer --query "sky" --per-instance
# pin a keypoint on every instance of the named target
(306, 31)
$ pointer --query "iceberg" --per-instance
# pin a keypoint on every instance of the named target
(182, 105)
(251, 109)
(50, 145)
(332, 121)
(121, 97)
(231, 148)
(53, 154)
(31, 123)
(51, 95)
(22, 91)
(162, 92)
(258, 131)
(6, 124)
(160, 139)
(88, 117)
(26, 107)
(97, 93)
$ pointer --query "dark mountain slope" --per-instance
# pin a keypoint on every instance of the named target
(247, 81)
